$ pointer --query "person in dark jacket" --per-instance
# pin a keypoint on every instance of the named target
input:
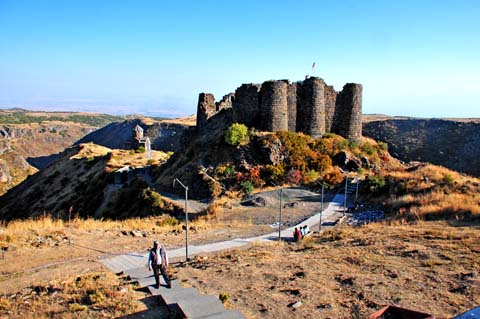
(158, 261)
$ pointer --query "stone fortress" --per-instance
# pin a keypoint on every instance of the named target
(308, 106)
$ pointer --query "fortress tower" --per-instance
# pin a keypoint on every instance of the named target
(308, 106)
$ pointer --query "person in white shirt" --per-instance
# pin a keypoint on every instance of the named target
(158, 261)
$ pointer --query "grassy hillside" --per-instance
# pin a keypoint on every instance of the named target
(75, 185)
(18, 116)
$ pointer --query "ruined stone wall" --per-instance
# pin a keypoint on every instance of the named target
(308, 106)
(205, 108)
(330, 100)
(225, 103)
(274, 106)
(311, 106)
(347, 120)
(292, 107)
(246, 105)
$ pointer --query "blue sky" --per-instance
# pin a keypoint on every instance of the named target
(417, 58)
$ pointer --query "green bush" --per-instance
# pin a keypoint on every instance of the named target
(376, 183)
(353, 144)
(383, 146)
(236, 134)
(246, 187)
(140, 149)
(368, 148)
(448, 179)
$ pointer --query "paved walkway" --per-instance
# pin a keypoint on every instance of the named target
(187, 302)
(330, 215)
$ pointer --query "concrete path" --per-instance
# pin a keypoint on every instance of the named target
(332, 213)
(187, 301)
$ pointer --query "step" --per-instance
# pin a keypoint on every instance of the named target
(201, 307)
(174, 296)
(138, 273)
(156, 292)
(227, 314)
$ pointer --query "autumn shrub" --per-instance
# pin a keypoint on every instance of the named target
(215, 188)
(310, 176)
(227, 170)
(321, 163)
(254, 176)
(333, 176)
(274, 173)
(297, 146)
(236, 134)
(294, 176)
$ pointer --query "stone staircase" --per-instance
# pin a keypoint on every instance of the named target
(187, 302)
(182, 302)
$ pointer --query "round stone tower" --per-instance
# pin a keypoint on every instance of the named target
(274, 106)
(311, 106)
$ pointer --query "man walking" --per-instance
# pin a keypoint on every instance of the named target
(158, 260)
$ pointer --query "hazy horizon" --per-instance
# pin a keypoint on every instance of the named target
(413, 59)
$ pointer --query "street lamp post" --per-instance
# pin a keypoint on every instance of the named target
(186, 215)
(280, 219)
(321, 211)
(345, 200)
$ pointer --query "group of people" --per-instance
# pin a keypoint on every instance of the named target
(298, 234)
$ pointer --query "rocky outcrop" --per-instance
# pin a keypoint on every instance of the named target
(453, 144)
(4, 173)
(164, 136)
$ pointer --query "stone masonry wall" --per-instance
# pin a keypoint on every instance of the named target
(205, 108)
(274, 106)
(246, 105)
(330, 100)
(308, 106)
(348, 112)
(311, 106)
(225, 103)
(292, 107)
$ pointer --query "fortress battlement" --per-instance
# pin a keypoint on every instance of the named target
(310, 106)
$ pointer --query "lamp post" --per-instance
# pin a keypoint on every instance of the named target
(356, 190)
(345, 200)
(280, 218)
(321, 211)
(186, 215)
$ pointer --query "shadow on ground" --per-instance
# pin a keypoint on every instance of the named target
(154, 310)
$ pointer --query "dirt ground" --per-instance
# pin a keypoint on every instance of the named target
(349, 273)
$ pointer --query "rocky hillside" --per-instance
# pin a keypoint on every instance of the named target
(84, 181)
(164, 135)
(451, 143)
(213, 166)
(31, 140)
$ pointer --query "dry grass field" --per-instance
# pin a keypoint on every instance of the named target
(349, 272)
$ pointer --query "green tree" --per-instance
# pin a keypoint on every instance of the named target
(236, 134)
